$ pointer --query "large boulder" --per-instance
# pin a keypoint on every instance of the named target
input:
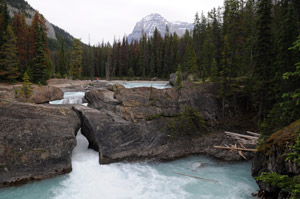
(271, 157)
(172, 79)
(36, 141)
(45, 94)
(117, 139)
(102, 99)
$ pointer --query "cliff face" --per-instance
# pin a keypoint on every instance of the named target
(272, 158)
(29, 16)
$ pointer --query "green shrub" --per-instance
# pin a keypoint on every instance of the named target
(187, 123)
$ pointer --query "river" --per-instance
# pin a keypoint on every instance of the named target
(143, 180)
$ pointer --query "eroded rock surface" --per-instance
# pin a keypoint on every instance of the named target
(36, 141)
(118, 139)
(141, 103)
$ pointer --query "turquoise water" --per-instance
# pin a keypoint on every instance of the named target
(89, 180)
(146, 180)
(145, 84)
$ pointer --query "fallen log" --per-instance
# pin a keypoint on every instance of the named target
(235, 148)
(242, 155)
(242, 136)
(254, 134)
(195, 177)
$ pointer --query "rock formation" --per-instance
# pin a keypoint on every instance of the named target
(117, 139)
(36, 141)
(272, 158)
(136, 124)
(45, 94)
(141, 103)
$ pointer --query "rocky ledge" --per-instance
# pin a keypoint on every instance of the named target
(148, 123)
(36, 141)
(117, 139)
(40, 94)
(271, 157)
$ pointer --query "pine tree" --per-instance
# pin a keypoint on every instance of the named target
(40, 60)
(190, 60)
(143, 56)
(62, 59)
(130, 72)
(214, 71)
(225, 81)
(285, 35)
(9, 61)
(263, 58)
(26, 89)
(21, 33)
(76, 60)
(4, 20)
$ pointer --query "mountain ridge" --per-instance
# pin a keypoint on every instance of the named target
(148, 24)
(54, 32)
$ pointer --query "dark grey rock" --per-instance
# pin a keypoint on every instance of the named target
(117, 139)
(172, 79)
(141, 103)
(36, 142)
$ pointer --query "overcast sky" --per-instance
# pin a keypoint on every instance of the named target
(106, 19)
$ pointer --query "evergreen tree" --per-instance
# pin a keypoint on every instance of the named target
(76, 60)
(214, 71)
(21, 32)
(40, 60)
(190, 60)
(263, 59)
(225, 81)
(4, 20)
(130, 72)
(62, 59)
(143, 58)
(9, 61)
(26, 89)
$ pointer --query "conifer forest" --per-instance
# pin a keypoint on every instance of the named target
(248, 46)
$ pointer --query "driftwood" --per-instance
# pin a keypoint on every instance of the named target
(242, 136)
(196, 177)
(254, 134)
(243, 139)
(235, 148)
(242, 155)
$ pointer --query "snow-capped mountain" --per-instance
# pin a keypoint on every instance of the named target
(152, 21)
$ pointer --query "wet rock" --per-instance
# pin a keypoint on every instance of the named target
(36, 142)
